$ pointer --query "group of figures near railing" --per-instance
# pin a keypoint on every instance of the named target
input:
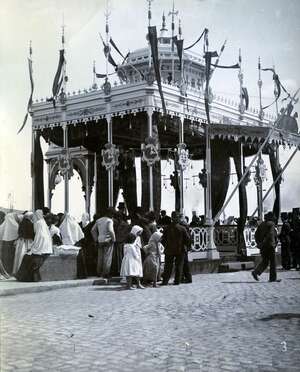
(226, 239)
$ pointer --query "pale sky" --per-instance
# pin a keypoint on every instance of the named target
(266, 28)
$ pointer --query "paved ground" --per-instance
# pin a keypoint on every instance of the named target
(221, 322)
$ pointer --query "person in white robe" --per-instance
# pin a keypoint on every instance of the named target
(71, 232)
(8, 236)
(24, 243)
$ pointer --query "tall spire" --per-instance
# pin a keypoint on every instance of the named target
(163, 26)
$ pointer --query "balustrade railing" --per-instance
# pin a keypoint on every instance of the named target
(225, 237)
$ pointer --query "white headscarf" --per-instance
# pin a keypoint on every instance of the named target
(9, 228)
(37, 215)
(155, 237)
(85, 219)
(42, 243)
(136, 230)
(70, 231)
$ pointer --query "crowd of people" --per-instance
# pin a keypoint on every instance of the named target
(112, 244)
(116, 244)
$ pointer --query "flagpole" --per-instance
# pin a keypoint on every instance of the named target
(149, 24)
(32, 144)
(173, 13)
(65, 127)
(259, 83)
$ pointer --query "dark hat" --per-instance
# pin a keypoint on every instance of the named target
(269, 216)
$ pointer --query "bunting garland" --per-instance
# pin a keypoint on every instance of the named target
(232, 66)
(197, 41)
(278, 86)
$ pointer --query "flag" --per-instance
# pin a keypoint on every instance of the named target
(58, 79)
(179, 46)
(116, 48)
(154, 50)
(29, 104)
(245, 97)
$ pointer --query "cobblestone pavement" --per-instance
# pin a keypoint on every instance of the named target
(220, 322)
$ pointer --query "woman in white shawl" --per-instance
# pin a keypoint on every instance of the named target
(24, 243)
(71, 235)
(70, 231)
(8, 236)
(151, 266)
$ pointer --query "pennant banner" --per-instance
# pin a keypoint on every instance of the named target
(154, 50)
(245, 97)
(179, 46)
(29, 104)
(116, 48)
(58, 79)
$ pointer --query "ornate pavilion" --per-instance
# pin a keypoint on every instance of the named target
(161, 107)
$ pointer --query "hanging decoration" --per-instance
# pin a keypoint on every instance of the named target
(150, 150)
(205, 31)
(29, 104)
(183, 156)
(65, 164)
(154, 50)
(110, 156)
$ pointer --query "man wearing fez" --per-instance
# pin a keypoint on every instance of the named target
(266, 240)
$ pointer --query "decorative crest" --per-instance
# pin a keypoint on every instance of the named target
(65, 164)
(110, 156)
(151, 151)
(183, 156)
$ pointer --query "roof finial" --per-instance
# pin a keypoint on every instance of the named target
(163, 26)
(63, 32)
(149, 12)
(179, 29)
(173, 13)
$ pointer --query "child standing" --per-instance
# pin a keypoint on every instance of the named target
(132, 263)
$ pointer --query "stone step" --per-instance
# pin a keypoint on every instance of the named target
(111, 281)
(235, 266)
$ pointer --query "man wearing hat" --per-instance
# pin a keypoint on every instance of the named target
(266, 240)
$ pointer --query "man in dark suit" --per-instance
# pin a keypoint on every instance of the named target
(266, 239)
(174, 239)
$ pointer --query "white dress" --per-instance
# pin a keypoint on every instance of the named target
(132, 261)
